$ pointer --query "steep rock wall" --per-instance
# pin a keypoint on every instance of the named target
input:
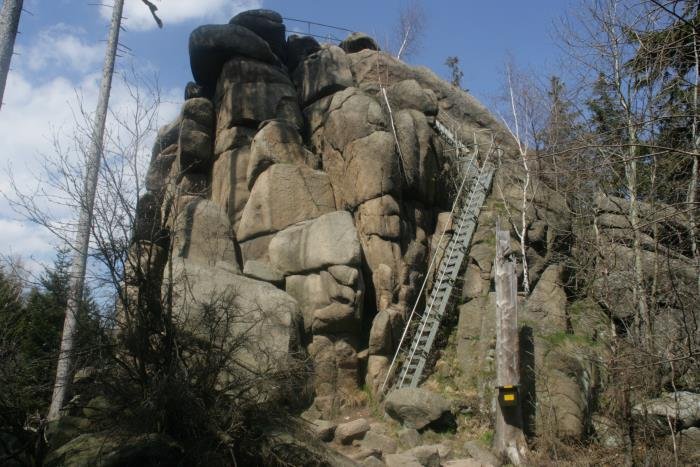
(315, 171)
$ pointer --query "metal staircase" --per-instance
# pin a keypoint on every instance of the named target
(476, 182)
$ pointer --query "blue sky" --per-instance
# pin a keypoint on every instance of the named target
(60, 52)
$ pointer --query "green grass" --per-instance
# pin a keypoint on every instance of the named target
(372, 402)
(560, 338)
(487, 438)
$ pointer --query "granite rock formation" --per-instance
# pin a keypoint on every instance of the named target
(310, 180)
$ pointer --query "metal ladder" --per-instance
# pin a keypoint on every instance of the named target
(465, 214)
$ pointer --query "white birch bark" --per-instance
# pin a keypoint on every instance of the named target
(9, 23)
(64, 368)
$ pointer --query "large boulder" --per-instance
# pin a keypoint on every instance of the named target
(199, 110)
(202, 234)
(261, 270)
(336, 318)
(109, 449)
(345, 275)
(262, 322)
(380, 442)
(408, 94)
(193, 90)
(548, 301)
(147, 219)
(195, 147)
(377, 369)
(416, 407)
(562, 386)
(351, 115)
(327, 306)
(157, 177)
(278, 142)
(255, 248)
(322, 73)
(328, 240)
(357, 41)
(167, 136)
(266, 24)
(213, 45)
(683, 407)
(368, 168)
(381, 341)
(283, 195)
(310, 293)
(418, 155)
(379, 216)
(229, 184)
(335, 364)
(232, 138)
(250, 92)
(298, 48)
(370, 67)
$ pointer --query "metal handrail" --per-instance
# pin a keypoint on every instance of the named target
(432, 263)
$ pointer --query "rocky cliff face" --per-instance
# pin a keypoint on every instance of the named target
(309, 182)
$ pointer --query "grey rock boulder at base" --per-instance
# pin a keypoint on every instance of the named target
(346, 433)
(416, 407)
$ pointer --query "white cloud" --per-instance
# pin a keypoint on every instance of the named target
(36, 110)
(61, 46)
(177, 11)
(26, 240)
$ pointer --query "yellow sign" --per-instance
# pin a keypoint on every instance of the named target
(508, 396)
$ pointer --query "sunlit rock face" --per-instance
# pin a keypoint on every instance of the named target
(316, 171)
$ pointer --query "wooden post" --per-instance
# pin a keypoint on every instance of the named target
(509, 440)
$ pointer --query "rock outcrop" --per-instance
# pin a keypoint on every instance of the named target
(314, 184)
(292, 176)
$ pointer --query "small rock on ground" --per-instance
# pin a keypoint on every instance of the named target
(372, 462)
(428, 455)
(323, 429)
(480, 453)
(384, 443)
(346, 433)
(409, 437)
(466, 463)
(401, 460)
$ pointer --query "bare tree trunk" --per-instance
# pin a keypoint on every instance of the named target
(509, 438)
(64, 369)
(643, 322)
(693, 186)
(522, 148)
(9, 23)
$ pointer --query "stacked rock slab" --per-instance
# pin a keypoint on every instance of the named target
(289, 166)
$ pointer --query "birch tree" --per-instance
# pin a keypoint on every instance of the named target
(9, 24)
(604, 46)
(409, 29)
(64, 368)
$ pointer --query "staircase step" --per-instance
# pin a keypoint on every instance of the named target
(441, 298)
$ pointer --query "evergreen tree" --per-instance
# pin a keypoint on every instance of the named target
(561, 127)
(607, 135)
